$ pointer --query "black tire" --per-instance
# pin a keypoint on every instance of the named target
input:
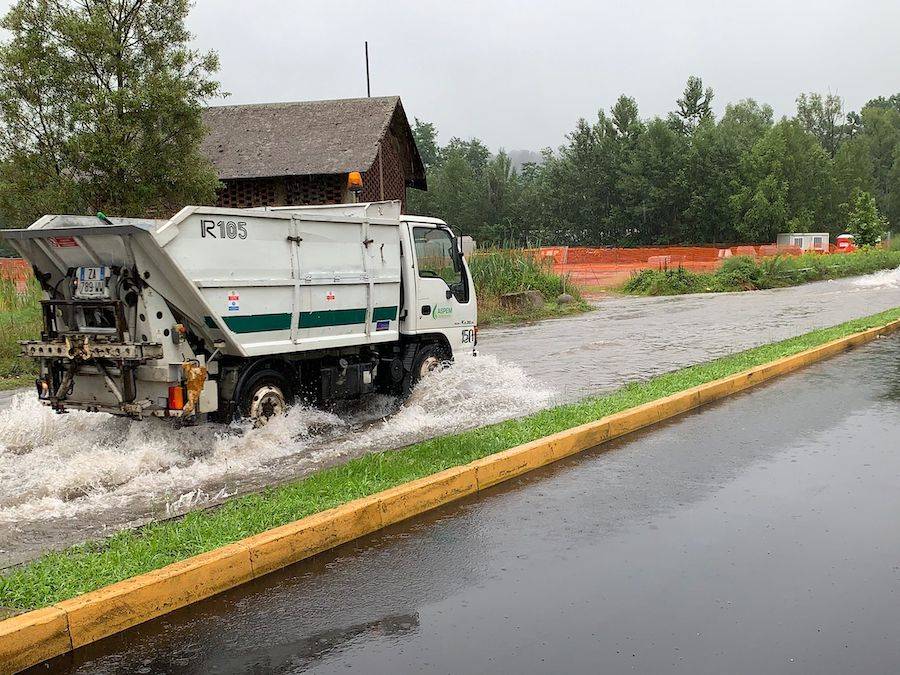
(428, 357)
(266, 394)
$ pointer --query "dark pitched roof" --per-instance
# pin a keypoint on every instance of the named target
(306, 137)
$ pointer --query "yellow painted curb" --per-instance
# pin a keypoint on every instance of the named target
(30, 638)
(108, 610)
(282, 546)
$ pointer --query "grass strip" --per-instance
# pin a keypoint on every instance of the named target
(83, 568)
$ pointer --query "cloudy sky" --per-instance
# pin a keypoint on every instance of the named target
(519, 74)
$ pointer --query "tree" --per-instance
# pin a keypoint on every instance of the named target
(853, 168)
(881, 132)
(864, 222)
(653, 187)
(101, 109)
(694, 105)
(785, 185)
(625, 119)
(886, 103)
(472, 151)
(425, 136)
(745, 122)
(822, 116)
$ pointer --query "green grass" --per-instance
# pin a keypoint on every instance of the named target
(20, 319)
(57, 576)
(496, 272)
(743, 273)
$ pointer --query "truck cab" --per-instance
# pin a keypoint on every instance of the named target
(225, 313)
(438, 297)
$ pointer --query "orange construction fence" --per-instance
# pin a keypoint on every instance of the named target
(607, 267)
(16, 270)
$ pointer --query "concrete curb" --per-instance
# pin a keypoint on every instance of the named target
(28, 639)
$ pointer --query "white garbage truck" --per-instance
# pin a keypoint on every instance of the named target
(221, 313)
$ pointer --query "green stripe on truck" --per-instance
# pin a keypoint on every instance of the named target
(384, 313)
(257, 323)
(332, 317)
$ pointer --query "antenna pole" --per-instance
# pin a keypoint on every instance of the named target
(368, 86)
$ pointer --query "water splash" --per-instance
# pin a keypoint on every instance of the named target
(882, 279)
(89, 465)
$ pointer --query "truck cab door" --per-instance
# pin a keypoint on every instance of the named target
(445, 297)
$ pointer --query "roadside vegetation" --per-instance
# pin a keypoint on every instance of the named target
(743, 273)
(20, 319)
(83, 568)
(497, 272)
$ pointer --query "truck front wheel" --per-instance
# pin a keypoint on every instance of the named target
(265, 395)
(427, 358)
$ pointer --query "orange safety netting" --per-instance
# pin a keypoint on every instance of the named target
(607, 267)
(17, 271)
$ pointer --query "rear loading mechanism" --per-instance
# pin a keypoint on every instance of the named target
(235, 312)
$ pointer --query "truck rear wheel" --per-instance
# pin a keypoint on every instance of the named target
(265, 395)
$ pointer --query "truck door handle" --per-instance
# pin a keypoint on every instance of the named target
(426, 310)
(296, 240)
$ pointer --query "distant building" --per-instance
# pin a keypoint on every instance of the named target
(283, 154)
(806, 241)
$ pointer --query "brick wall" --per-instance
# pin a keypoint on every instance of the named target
(282, 191)
(392, 171)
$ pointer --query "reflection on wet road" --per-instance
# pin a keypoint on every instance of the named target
(64, 479)
(756, 535)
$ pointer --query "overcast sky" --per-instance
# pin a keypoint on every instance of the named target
(519, 74)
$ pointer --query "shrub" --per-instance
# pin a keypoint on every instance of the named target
(866, 224)
(499, 271)
(673, 281)
(740, 272)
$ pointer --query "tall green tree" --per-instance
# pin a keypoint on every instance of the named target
(653, 187)
(881, 133)
(100, 108)
(823, 117)
(745, 122)
(694, 106)
(425, 136)
(785, 185)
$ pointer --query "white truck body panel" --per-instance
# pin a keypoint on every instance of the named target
(248, 285)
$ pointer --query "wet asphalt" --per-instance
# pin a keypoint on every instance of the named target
(758, 535)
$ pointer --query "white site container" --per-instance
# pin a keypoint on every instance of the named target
(806, 241)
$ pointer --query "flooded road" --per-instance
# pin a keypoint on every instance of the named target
(757, 535)
(65, 479)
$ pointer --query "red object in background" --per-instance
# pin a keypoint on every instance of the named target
(845, 243)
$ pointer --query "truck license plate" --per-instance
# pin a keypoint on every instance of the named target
(91, 282)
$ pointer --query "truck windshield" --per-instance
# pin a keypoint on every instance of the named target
(437, 258)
